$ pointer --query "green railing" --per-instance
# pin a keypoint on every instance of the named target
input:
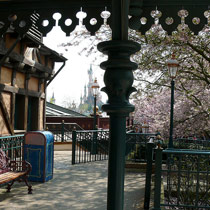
(88, 146)
(136, 146)
(190, 143)
(92, 145)
(185, 182)
(13, 146)
(62, 131)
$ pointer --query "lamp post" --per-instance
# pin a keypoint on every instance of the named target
(172, 69)
(95, 88)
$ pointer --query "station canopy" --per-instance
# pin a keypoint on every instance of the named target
(142, 14)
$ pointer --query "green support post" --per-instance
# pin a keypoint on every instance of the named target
(115, 199)
(94, 143)
(150, 146)
(62, 131)
(118, 79)
(74, 136)
(170, 143)
(158, 169)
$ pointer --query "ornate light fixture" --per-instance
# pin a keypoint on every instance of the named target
(173, 67)
(95, 87)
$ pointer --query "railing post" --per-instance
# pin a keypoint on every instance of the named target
(74, 136)
(62, 131)
(150, 146)
(94, 143)
(158, 168)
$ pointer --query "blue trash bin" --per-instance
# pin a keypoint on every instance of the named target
(39, 152)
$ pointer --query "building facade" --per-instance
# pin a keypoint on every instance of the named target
(26, 67)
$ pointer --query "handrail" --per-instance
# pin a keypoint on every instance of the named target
(14, 136)
(186, 151)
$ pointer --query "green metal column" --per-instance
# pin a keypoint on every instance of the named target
(150, 147)
(74, 136)
(118, 79)
(94, 115)
(115, 199)
(62, 131)
(170, 143)
(158, 168)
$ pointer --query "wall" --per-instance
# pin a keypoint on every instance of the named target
(85, 122)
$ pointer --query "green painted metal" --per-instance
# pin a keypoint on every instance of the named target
(136, 144)
(94, 144)
(118, 79)
(187, 151)
(190, 143)
(118, 76)
(136, 10)
(186, 180)
(158, 167)
(115, 193)
(150, 147)
(62, 131)
(74, 136)
(94, 114)
(13, 146)
(89, 145)
(170, 143)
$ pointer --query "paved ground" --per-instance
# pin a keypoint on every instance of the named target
(78, 187)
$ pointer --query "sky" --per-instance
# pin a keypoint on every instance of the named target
(69, 84)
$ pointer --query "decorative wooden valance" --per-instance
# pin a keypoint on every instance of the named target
(35, 16)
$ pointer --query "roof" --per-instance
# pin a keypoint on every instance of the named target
(55, 110)
(44, 49)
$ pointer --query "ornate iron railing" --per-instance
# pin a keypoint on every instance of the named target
(136, 146)
(62, 131)
(13, 146)
(88, 146)
(186, 179)
(191, 143)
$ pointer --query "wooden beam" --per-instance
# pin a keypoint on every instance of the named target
(13, 77)
(6, 115)
(25, 113)
(13, 109)
(21, 47)
(20, 58)
(41, 81)
(21, 91)
(39, 114)
(27, 78)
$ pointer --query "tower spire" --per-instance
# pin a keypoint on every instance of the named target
(52, 99)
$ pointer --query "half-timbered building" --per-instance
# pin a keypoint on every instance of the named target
(26, 68)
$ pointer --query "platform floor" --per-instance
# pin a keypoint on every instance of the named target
(73, 187)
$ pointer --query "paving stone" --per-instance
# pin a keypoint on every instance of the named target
(74, 187)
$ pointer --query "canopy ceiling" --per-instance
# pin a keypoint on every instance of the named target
(142, 14)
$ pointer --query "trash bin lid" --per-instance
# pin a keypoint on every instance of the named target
(38, 137)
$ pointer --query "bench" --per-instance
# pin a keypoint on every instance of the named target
(11, 171)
